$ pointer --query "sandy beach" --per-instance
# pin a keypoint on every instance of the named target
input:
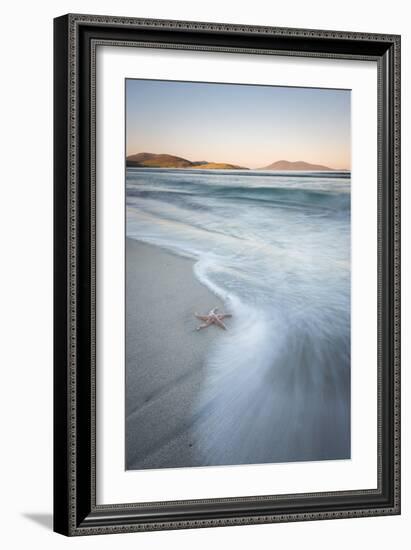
(164, 356)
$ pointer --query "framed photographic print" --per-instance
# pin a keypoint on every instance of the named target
(227, 277)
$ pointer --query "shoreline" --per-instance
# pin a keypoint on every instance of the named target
(165, 356)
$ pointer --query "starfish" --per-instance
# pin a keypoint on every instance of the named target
(213, 317)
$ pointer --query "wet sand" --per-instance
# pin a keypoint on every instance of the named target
(164, 356)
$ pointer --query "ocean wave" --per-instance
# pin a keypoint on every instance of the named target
(276, 386)
(269, 196)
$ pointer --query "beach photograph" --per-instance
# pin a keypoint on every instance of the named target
(238, 274)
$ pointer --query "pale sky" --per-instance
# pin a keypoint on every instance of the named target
(247, 125)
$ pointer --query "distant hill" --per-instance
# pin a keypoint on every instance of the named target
(152, 160)
(297, 165)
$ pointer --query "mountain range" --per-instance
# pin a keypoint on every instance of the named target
(153, 160)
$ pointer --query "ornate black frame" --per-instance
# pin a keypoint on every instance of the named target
(76, 38)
